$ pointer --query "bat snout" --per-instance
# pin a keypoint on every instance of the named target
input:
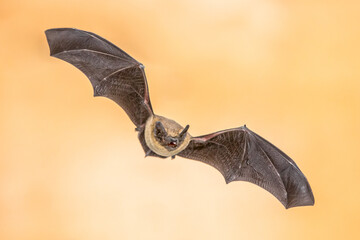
(172, 142)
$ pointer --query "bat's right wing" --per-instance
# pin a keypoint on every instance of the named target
(111, 71)
(242, 155)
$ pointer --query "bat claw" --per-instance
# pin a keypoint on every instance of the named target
(173, 157)
(137, 129)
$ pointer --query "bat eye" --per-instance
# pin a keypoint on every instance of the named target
(172, 144)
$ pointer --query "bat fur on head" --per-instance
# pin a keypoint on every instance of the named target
(239, 154)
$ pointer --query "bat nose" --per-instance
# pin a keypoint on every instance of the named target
(174, 140)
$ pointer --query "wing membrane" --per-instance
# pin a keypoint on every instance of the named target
(111, 71)
(242, 155)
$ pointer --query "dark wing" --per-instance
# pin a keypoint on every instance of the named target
(242, 155)
(111, 71)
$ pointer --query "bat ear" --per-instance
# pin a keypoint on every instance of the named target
(159, 130)
(184, 131)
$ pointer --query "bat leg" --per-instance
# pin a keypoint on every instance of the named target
(148, 153)
(173, 157)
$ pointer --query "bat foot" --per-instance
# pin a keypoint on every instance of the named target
(173, 157)
(148, 153)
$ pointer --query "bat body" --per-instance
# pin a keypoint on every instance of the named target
(157, 126)
(239, 154)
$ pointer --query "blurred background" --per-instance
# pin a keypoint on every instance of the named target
(71, 166)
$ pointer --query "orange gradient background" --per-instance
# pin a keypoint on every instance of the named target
(71, 166)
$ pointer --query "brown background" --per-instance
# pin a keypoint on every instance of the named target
(71, 166)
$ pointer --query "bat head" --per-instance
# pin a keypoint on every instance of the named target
(169, 141)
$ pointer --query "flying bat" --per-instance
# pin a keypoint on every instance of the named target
(238, 154)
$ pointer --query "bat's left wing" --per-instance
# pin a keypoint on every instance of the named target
(242, 155)
(112, 72)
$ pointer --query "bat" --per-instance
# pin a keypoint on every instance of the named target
(238, 154)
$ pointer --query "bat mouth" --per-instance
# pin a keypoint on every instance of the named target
(173, 143)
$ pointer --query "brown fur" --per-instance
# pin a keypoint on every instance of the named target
(172, 128)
